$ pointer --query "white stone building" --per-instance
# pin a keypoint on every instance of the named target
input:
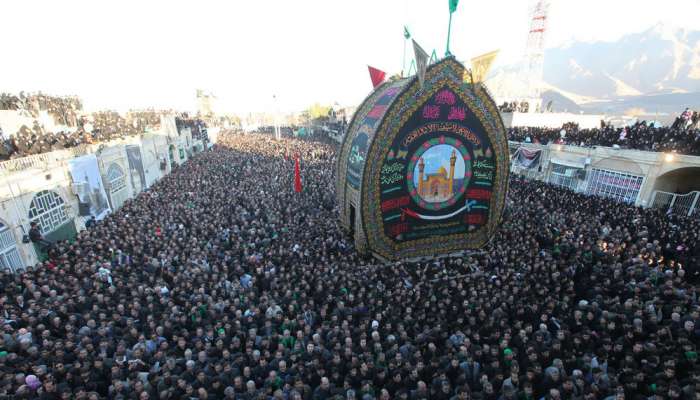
(40, 188)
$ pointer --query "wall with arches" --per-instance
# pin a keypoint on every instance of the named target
(114, 167)
(630, 175)
(681, 180)
(154, 154)
(40, 188)
(40, 194)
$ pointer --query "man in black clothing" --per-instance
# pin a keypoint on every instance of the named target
(91, 222)
(37, 238)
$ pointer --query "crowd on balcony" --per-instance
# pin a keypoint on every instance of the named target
(514, 106)
(682, 137)
(197, 126)
(77, 127)
(64, 110)
(222, 282)
(687, 120)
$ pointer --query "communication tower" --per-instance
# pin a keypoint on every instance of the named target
(534, 54)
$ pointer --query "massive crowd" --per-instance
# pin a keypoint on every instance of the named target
(221, 282)
(682, 137)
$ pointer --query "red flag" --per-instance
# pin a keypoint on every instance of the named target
(297, 176)
(376, 75)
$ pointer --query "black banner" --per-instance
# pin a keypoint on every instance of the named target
(138, 177)
(438, 176)
(529, 159)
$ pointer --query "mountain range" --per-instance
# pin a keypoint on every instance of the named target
(653, 72)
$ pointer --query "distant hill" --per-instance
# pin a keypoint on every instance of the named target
(560, 102)
(655, 71)
(661, 59)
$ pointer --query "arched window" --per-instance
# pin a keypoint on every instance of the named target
(116, 178)
(10, 259)
(49, 210)
(117, 185)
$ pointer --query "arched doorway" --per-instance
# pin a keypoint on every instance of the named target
(10, 260)
(117, 185)
(678, 191)
(681, 180)
(181, 152)
(171, 154)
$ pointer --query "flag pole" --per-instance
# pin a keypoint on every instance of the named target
(403, 66)
(449, 29)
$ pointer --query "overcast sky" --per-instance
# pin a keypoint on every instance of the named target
(123, 54)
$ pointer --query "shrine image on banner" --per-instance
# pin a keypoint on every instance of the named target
(437, 178)
(423, 170)
(87, 183)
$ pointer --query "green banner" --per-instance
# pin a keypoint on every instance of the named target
(453, 5)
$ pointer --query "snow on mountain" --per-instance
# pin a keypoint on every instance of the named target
(637, 68)
(659, 60)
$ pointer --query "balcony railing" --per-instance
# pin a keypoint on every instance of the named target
(681, 204)
(33, 161)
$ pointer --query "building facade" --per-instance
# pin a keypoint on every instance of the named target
(642, 178)
(40, 188)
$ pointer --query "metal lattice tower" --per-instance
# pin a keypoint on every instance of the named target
(534, 53)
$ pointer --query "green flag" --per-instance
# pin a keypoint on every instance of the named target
(406, 33)
(453, 5)
(412, 67)
(433, 58)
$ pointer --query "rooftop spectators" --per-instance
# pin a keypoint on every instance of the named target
(80, 127)
(514, 106)
(64, 110)
(682, 137)
(196, 126)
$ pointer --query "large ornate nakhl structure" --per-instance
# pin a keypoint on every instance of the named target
(423, 169)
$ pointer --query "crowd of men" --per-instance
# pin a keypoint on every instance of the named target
(65, 110)
(514, 106)
(79, 127)
(688, 119)
(221, 282)
(197, 126)
(97, 127)
(683, 137)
